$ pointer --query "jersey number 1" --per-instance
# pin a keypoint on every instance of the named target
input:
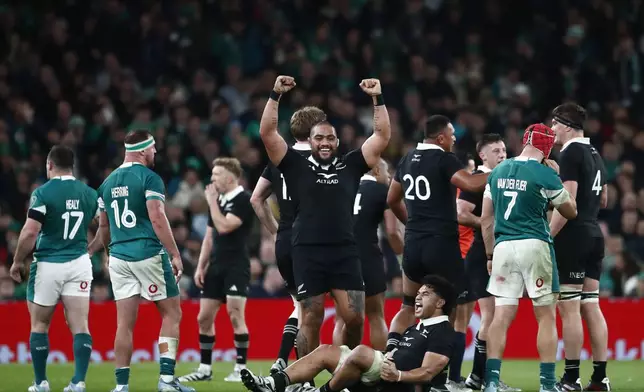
(69, 235)
(285, 195)
(597, 183)
(126, 218)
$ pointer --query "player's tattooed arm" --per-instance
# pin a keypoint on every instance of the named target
(376, 144)
(275, 144)
(259, 201)
(487, 224)
(558, 221)
(432, 365)
(465, 216)
(26, 243)
(395, 202)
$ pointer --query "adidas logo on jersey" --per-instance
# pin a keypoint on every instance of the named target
(233, 288)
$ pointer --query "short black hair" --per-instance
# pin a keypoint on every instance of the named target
(434, 125)
(570, 114)
(136, 136)
(62, 157)
(444, 289)
(486, 139)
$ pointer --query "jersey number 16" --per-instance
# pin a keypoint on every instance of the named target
(126, 218)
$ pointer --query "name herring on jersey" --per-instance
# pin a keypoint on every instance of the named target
(521, 190)
(65, 207)
(123, 196)
(324, 196)
(580, 161)
(279, 189)
(425, 174)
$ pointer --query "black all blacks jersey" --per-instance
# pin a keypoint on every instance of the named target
(579, 161)
(368, 211)
(281, 192)
(232, 247)
(324, 196)
(425, 175)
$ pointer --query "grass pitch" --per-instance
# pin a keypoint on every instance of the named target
(624, 376)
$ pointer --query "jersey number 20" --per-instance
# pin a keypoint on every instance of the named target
(418, 187)
(126, 218)
(78, 215)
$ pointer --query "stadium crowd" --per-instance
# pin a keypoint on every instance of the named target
(197, 75)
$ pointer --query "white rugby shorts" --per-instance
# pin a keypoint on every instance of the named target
(372, 375)
(49, 281)
(151, 278)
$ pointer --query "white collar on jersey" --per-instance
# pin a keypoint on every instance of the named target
(368, 177)
(484, 168)
(581, 139)
(130, 164)
(64, 178)
(302, 146)
(432, 320)
(316, 163)
(228, 196)
(524, 159)
(428, 146)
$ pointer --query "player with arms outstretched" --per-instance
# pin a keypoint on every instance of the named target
(584, 176)
(518, 244)
(59, 216)
(272, 182)
(144, 260)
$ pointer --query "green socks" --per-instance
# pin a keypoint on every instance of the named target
(122, 376)
(167, 366)
(492, 371)
(547, 375)
(82, 353)
(39, 346)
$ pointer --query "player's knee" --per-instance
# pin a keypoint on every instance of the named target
(359, 355)
(354, 320)
(569, 297)
(205, 320)
(590, 297)
(545, 300)
(39, 326)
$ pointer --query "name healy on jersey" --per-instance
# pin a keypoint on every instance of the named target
(328, 179)
(512, 184)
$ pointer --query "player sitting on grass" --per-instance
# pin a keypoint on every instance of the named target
(420, 358)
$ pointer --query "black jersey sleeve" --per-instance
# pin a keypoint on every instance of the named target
(211, 224)
(442, 342)
(355, 160)
(398, 175)
(383, 189)
(266, 173)
(450, 164)
(472, 197)
(242, 208)
(570, 164)
(290, 161)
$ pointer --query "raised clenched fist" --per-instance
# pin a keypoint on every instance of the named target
(371, 86)
(283, 84)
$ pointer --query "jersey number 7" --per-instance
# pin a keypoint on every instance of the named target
(513, 200)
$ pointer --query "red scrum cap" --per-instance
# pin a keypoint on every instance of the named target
(541, 137)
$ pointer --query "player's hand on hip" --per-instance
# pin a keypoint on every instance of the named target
(211, 193)
(388, 372)
(283, 84)
(371, 86)
(489, 267)
(16, 271)
(177, 267)
(199, 277)
(551, 164)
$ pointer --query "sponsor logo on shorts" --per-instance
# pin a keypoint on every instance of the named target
(539, 282)
(153, 288)
(577, 275)
(84, 285)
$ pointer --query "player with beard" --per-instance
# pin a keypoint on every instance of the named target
(144, 260)
(584, 176)
(370, 209)
(323, 187)
(430, 174)
(419, 361)
(491, 151)
(272, 182)
(519, 248)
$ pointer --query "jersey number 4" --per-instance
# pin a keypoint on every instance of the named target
(126, 218)
(597, 183)
(285, 195)
(418, 187)
(78, 215)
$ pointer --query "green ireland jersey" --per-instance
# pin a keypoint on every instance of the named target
(123, 197)
(65, 207)
(521, 190)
